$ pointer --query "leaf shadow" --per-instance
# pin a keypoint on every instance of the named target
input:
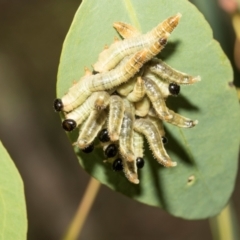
(156, 170)
(181, 102)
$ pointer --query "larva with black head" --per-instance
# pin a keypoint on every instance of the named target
(90, 128)
(98, 100)
(150, 131)
(138, 145)
(126, 143)
(156, 98)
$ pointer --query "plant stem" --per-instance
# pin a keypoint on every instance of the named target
(85, 205)
(224, 225)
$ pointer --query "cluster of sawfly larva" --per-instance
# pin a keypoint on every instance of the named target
(123, 99)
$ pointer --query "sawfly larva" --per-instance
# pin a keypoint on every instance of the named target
(126, 143)
(169, 74)
(138, 91)
(110, 57)
(116, 112)
(90, 128)
(150, 131)
(177, 119)
(142, 107)
(156, 98)
(79, 114)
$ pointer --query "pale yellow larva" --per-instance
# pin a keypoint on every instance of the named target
(156, 98)
(177, 119)
(76, 95)
(110, 57)
(162, 85)
(138, 91)
(181, 121)
(91, 127)
(80, 91)
(122, 74)
(150, 131)
(126, 143)
(169, 74)
(138, 144)
(158, 123)
(142, 107)
(82, 112)
(116, 111)
(125, 88)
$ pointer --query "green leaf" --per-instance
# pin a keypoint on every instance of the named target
(13, 220)
(208, 152)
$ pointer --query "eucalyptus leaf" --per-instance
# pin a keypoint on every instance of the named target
(13, 220)
(203, 181)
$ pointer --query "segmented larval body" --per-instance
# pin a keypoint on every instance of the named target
(142, 107)
(162, 85)
(169, 74)
(138, 144)
(138, 91)
(110, 57)
(156, 98)
(116, 111)
(80, 91)
(119, 75)
(126, 143)
(158, 123)
(181, 121)
(177, 119)
(150, 131)
(82, 112)
(76, 95)
(91, 127)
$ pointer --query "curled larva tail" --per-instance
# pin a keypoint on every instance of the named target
(167, 26)
(181, 121)
(156, 98)
(82, 112)
(126, 30)
(177, 119)
(142, 107)
(169, 74)
(116, 111)
(150, 131)
(138, 91)
(90, 128)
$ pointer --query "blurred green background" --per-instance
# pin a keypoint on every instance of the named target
(31, 37)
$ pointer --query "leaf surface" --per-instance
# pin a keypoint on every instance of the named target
(203, 181)
(13, 220)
